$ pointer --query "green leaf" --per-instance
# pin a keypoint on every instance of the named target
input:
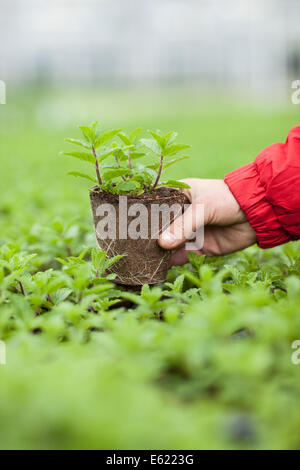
(113, 260)
(103, 138)
(124, 138)
(82, 175)
(109, 165)
(60, 295)
(144, 175)
(175, 160)
(170, 137)
(136, 155)
(174, 184)
(159, 138)
(98, 259)
(151, 145)
(175, 148)
(120, 153)
(134, 134)
(81, 143)
(133, 298)
(87, 157)
(101, 262)
(114, 173)
(61, 261)
(178, 284)
(154, 166)
(127, 186)
(196, 260)
(131, 138)
(102, 156)
(87, 132)
(95, 127)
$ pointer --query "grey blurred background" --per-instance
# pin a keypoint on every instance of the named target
(250, 47)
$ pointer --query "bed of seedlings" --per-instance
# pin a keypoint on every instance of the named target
(207, 359)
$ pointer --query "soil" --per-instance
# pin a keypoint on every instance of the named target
(145, 261)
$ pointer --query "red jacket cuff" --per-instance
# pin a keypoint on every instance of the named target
(245, 185)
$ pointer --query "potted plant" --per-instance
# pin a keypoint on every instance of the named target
(130, 202)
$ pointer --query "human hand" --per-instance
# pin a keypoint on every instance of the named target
(226, 229)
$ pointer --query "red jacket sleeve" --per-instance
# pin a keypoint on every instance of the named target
(268, 191)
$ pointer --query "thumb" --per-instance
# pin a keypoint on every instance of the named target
(183, 228)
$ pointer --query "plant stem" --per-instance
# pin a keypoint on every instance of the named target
(159, 173)
(119, 166)
(21, 287)
(129, 161)
(97, 166)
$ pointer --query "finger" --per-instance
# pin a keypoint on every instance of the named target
(183, 228)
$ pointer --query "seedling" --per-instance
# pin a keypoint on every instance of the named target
(117, 160)
(117, 166)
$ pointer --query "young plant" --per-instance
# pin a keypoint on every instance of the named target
(93, 140)
(116, 166)
(163, 147)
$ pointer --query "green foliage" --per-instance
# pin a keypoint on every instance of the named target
(122, 175)
(205, 362)
(210, 350)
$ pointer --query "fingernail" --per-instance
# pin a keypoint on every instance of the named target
(169, 238)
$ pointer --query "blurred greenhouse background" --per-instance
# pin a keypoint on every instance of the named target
(253, 46)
